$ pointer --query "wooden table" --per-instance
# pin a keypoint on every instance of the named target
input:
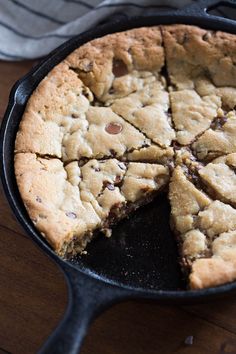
(33, 297)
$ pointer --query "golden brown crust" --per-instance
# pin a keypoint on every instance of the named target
(98, 134)
(58, 95)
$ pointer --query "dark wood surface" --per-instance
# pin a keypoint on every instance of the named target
(33, 297)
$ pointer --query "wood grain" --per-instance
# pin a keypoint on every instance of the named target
(7, 219)
(33, 294)
(9, 74)
(33, 298)
(150, 328)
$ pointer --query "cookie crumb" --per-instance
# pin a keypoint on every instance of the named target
(188, 340)
(107, 232)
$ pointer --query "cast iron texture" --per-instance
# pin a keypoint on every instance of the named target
(140, 260)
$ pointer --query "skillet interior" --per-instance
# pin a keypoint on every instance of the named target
(142, 251)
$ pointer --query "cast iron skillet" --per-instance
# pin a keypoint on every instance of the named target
(140, 260)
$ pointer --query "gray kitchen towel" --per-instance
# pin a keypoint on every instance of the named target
(32, 28)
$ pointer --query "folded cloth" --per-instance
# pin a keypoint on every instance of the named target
(32, 28)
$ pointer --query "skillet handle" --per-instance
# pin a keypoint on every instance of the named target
(200, 8)
(87, 298)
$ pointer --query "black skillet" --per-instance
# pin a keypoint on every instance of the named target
(140, 260)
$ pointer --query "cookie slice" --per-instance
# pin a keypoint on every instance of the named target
(219, 178)
(193, 52)
(218, 270)
(192, 114)
(218, 223)
(186, 201)
(147, 109)
(116, 65)
(68, 204)
(53, 203)
(57, 101)
(219, 139)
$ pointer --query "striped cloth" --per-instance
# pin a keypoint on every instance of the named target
(32, 28)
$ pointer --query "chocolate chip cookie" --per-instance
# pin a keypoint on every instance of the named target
(125, 117)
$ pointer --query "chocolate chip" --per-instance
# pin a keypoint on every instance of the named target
(110, 187)
(111, 91)
(184, 39)
(194, 178)
(87, 93)
(145, 189)
(38, 199)
(75, 115)
(113, 128)
(171, 165)
(223, 120)
(122, 166)
(112, 152)
(71, 214)
(218, 122)
(119, 68)
(118, 179)
(176, 145)
(96, 169)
